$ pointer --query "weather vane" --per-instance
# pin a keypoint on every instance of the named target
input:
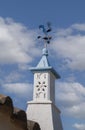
(46, 31)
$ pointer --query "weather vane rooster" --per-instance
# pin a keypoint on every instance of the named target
(46, 31)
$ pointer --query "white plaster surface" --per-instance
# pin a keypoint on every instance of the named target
(46, 114)
(42, 109)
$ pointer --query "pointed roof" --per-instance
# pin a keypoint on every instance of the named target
(44, 65)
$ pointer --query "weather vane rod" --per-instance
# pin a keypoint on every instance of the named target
(46, 36)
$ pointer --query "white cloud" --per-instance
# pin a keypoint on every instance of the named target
(64, 32)
(79, 27)
(69, 44)
(13, 76)
(17, 44)
(79, 126)
(20, 89)
(71, 98)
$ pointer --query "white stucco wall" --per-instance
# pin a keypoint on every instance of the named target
(44, 113)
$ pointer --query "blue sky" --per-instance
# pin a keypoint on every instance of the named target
(20, 49)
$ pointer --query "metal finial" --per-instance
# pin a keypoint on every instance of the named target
(46, 31)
